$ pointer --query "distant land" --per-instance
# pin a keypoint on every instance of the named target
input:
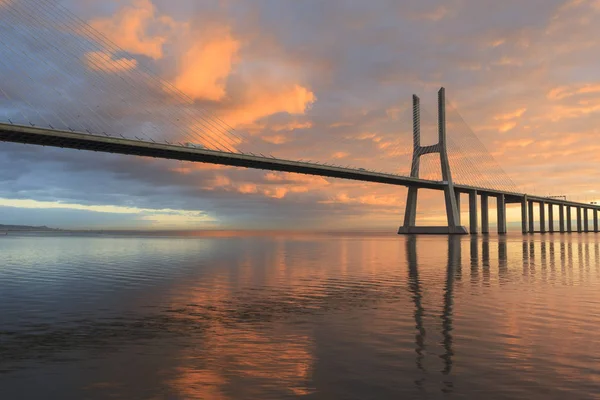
(24, 228)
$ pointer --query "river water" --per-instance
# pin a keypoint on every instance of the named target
(318, 316)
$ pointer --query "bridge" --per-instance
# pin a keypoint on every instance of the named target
(84, 128)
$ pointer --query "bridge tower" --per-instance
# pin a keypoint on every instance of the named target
(452, 211)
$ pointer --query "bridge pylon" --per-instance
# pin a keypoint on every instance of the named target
(452, 211)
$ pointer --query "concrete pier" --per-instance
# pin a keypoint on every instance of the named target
(473, 212)
(485, 219)
(524, 215)
(579, 225)
(569, 220)
(561, 218)
(542, 217)
(550, 218)
(595, 220)
(586, 223)
(458, 216)
(531, 217)
(501, 209)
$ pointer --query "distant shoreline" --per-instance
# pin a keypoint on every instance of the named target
(25, 228)
(192, 233)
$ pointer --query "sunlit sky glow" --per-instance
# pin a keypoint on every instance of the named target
(299, 74)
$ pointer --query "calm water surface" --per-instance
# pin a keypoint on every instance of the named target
(312, 316)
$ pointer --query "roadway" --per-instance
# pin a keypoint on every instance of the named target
(109, 144)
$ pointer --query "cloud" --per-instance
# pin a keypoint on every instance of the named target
(436, 14)
(262, 100)
(102, 61)
(276, 139)
(511, 115)
(563, 92)
(389, 202)
(206, 65)
(507, 127)
(339, 154)
(292, 126)
(247, 188)
(165, 218)
(137, 28)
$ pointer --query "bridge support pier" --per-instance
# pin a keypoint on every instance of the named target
(595, 220)
(542, 217)
(579, 227)
(501, 208)
(531, 217)
(473, 212)
(561, 218)
(586, 223)
(452, 198)
(524, 214)
(457, 196)
(550, 218)
(569, 220)
(485, 210)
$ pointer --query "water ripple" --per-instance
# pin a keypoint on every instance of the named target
(283, 316)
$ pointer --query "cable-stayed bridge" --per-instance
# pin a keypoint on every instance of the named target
(70, 87)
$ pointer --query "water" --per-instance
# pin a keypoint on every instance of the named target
(236, 316)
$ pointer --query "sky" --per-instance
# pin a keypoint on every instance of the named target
(313, 80)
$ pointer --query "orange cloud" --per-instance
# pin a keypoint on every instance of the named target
(435, 15)
(340, 124)
(247, 188)
(497, 42)
(385, 201)
(364, 136)
(280, 139)
(511, 115)
(566, 112)
(276, 193)
(562, 92)
(277, 139)
(507, 61)
(219, 181)
(130, 29)
(340, 154)
(515, 143)
(263, 101)
(295, 178)
(292, 126)
(394, 112)
(206, 65)
(507, 127)
(102, 61)
(182, 170)
(213, 137)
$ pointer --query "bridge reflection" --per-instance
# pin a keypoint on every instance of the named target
(539, 255)
(453, 271)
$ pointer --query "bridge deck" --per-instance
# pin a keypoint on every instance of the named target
(109, 144)
(85, 141)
